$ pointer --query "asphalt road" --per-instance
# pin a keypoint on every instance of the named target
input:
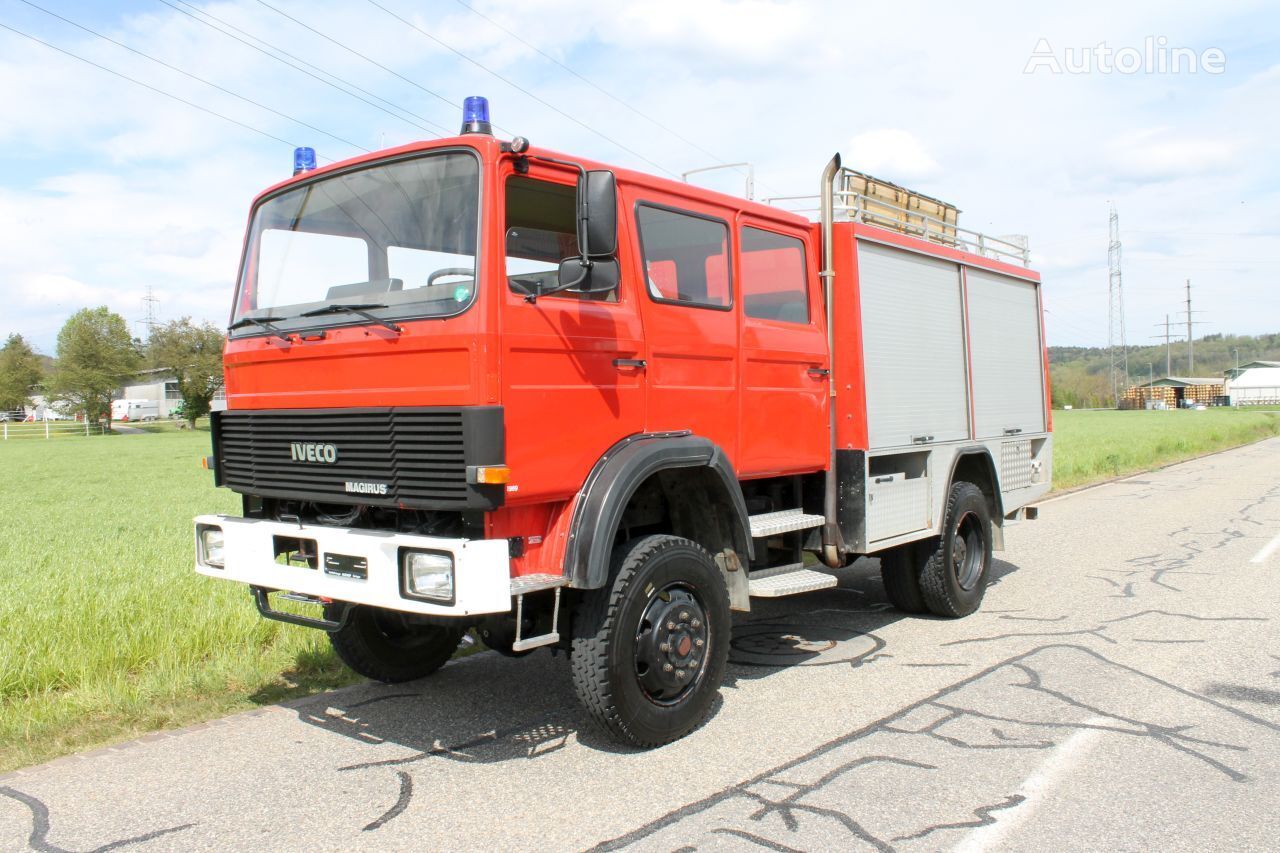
(1119, 690)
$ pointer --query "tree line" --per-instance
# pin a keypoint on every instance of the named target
(96, 355)
(1081, 377)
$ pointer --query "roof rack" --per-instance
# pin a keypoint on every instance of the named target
(863, 198)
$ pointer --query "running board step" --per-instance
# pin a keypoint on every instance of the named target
(784, 521)
(788, 580)
(522, 586)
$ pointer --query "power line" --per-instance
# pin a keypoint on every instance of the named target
(328, 83)
(194, 77)
(181, 100)
(1191, 344)
(366, 58)
(1115, 331)
(610, 95)
(310, 65)
(151, 320)
(1168, 345)
(514, 85)
(590, 83)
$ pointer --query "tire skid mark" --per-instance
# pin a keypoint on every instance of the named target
(41, 825)
(739, 811)
(401, 803)
(982, 813)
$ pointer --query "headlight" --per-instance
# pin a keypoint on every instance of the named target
(428, 574)
(209, 543)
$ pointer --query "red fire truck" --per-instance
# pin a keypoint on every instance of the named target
(474, 384)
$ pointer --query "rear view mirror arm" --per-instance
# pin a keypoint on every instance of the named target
(583, 212)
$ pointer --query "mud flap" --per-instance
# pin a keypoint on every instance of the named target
(735, 579)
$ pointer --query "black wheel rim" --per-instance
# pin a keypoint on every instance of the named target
(673, 641)
(967, 551)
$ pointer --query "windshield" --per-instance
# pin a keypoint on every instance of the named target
(395, 240)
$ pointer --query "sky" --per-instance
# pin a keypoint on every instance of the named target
(1031, 118)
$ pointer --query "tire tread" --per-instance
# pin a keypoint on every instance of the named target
(599, 611)
(353, 649)
(935, 588)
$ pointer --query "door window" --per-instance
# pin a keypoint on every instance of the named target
(686, 257)
(773, 279)
(540, 233)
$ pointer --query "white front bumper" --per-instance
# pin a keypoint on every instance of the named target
(482, 571)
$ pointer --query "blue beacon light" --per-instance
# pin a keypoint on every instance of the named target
(304, 160)
(475, 115)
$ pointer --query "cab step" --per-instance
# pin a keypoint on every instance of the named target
(788, 580)
(784, 521)
(522, 586)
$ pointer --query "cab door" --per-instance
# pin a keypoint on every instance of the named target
(785, 365)
(690, 326)
(569, 391)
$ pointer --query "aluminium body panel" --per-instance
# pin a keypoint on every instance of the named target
(1032, 480)
(1007, 355)
(913, 347)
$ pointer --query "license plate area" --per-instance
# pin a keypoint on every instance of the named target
(296, 551)
(346, 566)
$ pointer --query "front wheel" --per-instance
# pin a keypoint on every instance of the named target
(650, 648)
(390, 646)
(955, 567)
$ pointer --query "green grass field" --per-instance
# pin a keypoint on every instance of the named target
(107, 632)
(1093, 446)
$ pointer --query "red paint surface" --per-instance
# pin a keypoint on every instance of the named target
(742, 382)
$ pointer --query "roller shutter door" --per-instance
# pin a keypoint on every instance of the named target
(1008, 361)
(913, 347)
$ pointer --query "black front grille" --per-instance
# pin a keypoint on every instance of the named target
(347, 455)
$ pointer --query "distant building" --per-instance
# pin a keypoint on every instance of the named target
(160, 386)
(1175, 392)
(1254, 384)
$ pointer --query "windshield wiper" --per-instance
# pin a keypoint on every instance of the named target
(264, 323)
(360, 308)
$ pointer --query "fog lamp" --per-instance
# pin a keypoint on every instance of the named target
(209, 539)
(428, 574)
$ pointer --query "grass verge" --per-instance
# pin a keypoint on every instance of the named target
(1089, 447)
(107, 630)
(109, 633)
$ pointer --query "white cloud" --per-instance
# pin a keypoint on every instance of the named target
(107, 188)
(1162, 153)
(892, 153)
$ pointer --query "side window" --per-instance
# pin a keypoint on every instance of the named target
(773, 278)
(686, 257)
(540, 233)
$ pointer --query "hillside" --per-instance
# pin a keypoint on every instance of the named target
(1079, 375)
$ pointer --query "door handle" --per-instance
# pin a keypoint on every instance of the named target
(637, 363)
(1012, 430)
(819, 371)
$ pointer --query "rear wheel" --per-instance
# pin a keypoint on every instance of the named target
(650, 648)
(900, 572)
(956, 566)
(390, 646)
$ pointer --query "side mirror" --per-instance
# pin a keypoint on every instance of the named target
(600, 192)
(602, 276)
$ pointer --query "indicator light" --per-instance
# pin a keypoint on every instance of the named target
(488, 475)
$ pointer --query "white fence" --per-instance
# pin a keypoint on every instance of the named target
(47, 429)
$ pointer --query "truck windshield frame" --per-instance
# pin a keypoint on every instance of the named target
(402, 233)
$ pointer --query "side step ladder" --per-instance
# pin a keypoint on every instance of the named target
(523, 585)
(794, 578)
